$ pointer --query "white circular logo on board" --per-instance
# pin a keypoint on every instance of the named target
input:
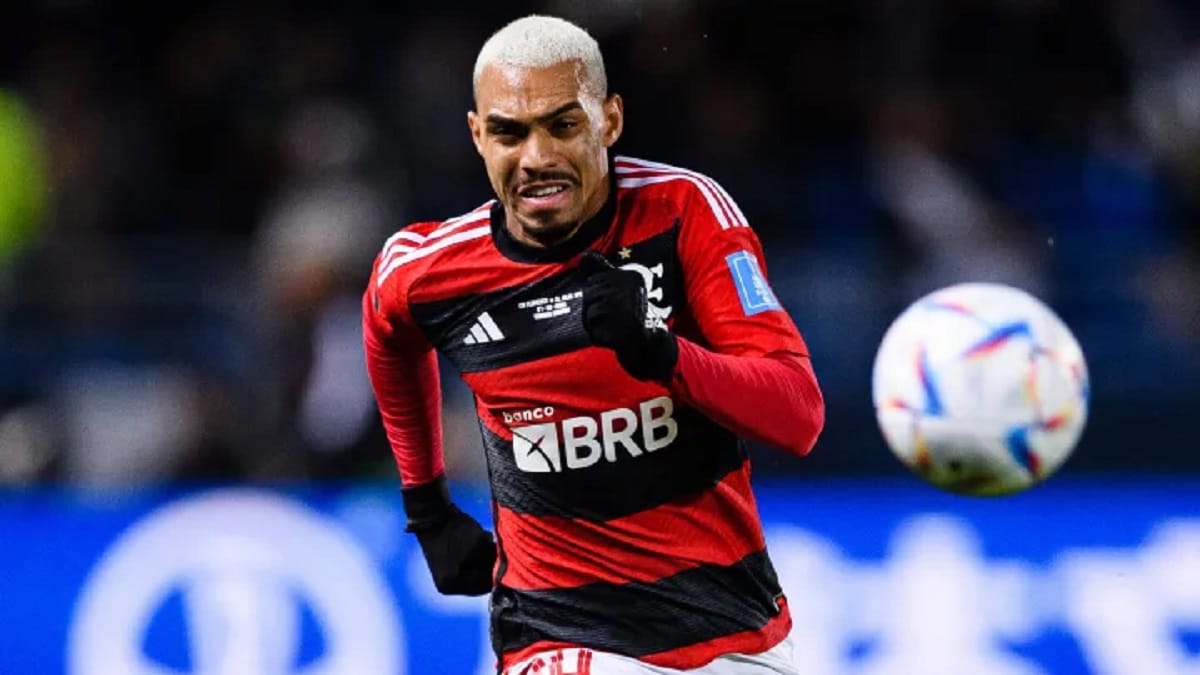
(243, 562)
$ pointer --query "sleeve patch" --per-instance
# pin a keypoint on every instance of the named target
(752, 288)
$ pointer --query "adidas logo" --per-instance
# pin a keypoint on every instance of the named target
(484, 330)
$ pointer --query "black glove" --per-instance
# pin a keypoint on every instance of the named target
(459, 552)
(615, 316)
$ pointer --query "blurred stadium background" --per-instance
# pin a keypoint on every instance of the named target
(191, 195)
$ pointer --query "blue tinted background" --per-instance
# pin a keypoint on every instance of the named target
(54, 542)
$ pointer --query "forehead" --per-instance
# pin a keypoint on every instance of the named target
(519, 92)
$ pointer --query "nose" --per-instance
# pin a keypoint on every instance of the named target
(539, 152)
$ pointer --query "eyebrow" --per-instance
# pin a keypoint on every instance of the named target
(498, 119)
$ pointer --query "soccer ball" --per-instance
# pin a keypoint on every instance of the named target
(980, 389)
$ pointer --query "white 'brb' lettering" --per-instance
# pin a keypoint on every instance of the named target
(580, 442)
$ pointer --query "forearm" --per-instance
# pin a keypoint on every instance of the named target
(407, 390)
(771, 399)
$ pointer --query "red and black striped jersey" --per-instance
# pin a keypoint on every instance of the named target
(624, 515)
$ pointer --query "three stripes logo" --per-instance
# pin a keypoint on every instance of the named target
(484, 330)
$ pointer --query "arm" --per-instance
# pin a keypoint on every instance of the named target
(404, 376)
(756, 378)
(773, 399)
(752, 375)
(403, 369)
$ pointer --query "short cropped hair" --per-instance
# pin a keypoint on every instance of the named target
(538, 41)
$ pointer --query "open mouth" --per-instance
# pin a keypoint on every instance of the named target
(545, 195)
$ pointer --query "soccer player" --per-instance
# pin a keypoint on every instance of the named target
(613, 318)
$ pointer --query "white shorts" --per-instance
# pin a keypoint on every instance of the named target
(578, 661)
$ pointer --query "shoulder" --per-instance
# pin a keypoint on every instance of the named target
(408, 255)
(411, 250)
(688, 190)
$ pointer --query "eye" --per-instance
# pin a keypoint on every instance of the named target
(565, 124)
(506, 134)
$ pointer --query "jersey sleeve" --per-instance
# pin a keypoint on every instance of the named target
(725, 279)
(403, 369)
(754, 374)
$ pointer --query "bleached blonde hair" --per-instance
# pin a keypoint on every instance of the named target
(538, 41)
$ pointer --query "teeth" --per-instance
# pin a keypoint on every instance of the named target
(546, 191)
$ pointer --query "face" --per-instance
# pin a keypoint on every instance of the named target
(544, 139)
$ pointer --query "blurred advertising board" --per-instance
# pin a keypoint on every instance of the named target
(884, 579)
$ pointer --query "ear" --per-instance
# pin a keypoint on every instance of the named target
(614, 119)
(476, 126)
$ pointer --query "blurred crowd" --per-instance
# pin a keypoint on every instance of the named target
(191, 196)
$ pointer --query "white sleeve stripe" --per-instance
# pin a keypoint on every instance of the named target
(392, 251)
(451, 226)
(713, 206)
(720, 207)
(404, 234)
(728, 206)
(486, 206)
(401, 241)
(457, 238)
(739, 218)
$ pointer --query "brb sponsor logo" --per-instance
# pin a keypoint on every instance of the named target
(580, 442)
